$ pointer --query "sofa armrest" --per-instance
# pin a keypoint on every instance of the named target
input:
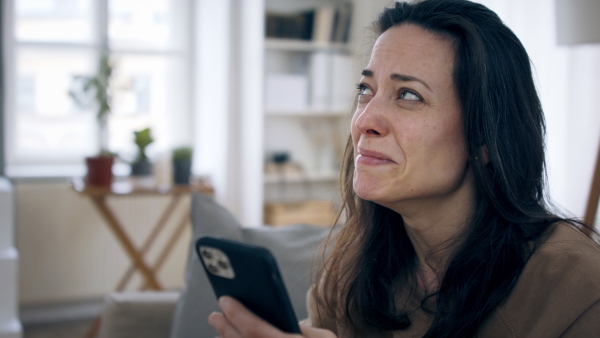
(138, 314)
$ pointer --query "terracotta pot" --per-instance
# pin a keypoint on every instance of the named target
(99, 170)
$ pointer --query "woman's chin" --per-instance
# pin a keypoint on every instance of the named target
(369, 192)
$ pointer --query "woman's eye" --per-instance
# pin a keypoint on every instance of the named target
(409, 96)
(364, 90)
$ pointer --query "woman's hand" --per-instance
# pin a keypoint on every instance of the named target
(237, 321)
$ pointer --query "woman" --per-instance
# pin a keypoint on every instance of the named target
(448, 233)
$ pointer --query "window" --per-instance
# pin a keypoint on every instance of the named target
(51, 42)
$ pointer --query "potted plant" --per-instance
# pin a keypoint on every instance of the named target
(182, 165)
(141, 166)
(99, 167)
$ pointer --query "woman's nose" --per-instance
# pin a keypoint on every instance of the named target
(371, 120)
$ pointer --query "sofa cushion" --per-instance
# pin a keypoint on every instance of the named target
(137, 314)
(294, 248)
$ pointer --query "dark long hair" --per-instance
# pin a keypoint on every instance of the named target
(504, 130)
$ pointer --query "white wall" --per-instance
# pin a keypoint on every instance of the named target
(581, 114)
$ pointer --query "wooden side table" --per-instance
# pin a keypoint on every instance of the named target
(130, 187)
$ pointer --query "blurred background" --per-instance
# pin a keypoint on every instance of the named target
(260, 90)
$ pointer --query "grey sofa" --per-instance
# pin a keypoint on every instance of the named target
(184, 314)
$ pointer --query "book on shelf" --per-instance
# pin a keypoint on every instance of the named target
(289, 26)
(322, 25)
(341, 23)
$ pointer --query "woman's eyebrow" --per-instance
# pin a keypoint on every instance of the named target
(396, 77)
(408, 78)
(367, 73)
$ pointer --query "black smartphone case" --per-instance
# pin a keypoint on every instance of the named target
(257, 283)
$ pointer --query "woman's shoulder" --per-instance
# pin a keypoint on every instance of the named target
(565, 249)
(559, 284)
(567, 259)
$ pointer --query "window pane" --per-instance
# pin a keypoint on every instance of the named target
(45, 76)
(42, 139)
(141, 24)
(47, 121)
(54, 20)
(140, 97)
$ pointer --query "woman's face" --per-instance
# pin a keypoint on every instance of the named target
(407, 131)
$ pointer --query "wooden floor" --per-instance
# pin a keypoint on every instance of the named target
(74, 329)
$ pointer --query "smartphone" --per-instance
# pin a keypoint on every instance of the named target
(249, 274)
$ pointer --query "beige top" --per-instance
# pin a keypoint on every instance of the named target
(557, 295)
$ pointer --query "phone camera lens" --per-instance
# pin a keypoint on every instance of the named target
(222, 264)
(206, 253)
(213, 268)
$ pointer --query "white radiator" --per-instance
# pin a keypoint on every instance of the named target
(10, 326)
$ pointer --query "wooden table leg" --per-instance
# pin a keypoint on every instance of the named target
(150, 240)
(127, 244)
(172, 240)
(162, 257)
(92, 331)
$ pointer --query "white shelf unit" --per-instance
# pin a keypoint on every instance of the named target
(305, 45)
(314, 141)
(312, 133)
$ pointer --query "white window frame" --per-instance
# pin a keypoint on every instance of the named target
(180, 132)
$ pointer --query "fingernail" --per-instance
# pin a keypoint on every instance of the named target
(224, 301)
(211, 319)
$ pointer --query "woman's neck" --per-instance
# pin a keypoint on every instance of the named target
(435, 233)
(433, 256)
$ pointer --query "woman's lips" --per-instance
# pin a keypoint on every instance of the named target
(367, 157)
